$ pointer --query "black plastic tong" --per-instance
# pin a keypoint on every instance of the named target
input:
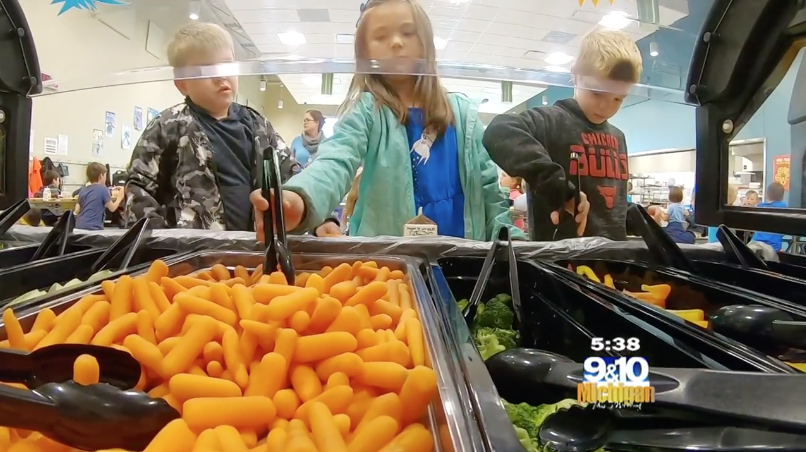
(277, 253)
(661, 247)
(55, 242)
(129, 243)
(503, 240)
(12, 215)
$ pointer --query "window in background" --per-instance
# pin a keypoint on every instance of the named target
(327, 129)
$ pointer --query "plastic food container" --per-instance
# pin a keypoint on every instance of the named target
(454, 428)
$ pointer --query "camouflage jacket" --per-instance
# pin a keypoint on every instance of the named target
(171, 176)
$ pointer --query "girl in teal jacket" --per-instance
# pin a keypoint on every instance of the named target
(420, 147)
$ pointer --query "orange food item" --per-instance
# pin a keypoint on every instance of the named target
(335, 363)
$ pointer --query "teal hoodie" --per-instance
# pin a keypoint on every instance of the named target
(373, 137)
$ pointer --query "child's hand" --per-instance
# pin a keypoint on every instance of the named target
(328, 229)
(580, 210)
(293, 211)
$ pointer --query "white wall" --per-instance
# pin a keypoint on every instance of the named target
(75, 44)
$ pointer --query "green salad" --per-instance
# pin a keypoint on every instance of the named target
(493, 332)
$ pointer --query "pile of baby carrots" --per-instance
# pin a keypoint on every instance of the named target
(336, 362)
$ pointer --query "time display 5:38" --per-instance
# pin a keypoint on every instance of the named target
(617, 344)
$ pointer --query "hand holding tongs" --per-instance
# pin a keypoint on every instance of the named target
(277, 254)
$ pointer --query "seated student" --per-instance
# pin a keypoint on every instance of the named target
(775, 199)
(676, 217)
(94, 199)
(33, 217)
(52, 180)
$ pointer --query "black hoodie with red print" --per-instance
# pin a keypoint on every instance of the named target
(555, 149)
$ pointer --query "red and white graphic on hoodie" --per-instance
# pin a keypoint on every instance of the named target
(599, 158)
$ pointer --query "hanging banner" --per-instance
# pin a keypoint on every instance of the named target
(595, 2)
(89, 5)
(781, 170)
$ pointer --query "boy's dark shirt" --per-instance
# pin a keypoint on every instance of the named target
(232, 141)
(537, 145)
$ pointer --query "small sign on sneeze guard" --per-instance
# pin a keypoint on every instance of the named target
(420, 226)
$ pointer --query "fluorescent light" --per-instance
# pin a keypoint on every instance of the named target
(345, 39)
(291, 38)
(557, 69)
(263, 85)
(545, 100)
(280, 103)
(195, 8)
(440, 43)
(313, 80)
(558, 59)
(653, 48)
(615, 20)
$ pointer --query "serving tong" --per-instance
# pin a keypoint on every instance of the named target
(278, 256)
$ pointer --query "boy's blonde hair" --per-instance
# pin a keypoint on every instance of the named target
(609, 54)
(197, 38)
(428, 91)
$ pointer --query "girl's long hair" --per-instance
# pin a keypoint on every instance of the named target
(428, 91)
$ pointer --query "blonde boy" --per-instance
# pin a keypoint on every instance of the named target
(570, 146)
(195, 164)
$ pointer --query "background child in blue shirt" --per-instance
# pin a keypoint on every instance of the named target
(775, 199)
(676, 217)
(94, 199)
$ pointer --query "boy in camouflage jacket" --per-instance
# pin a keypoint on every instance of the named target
(196, 163)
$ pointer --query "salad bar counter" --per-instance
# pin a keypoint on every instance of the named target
(460, 349)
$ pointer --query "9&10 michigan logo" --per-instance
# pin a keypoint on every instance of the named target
(610, 382)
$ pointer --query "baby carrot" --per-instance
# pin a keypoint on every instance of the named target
(189, 282)
(142, 298)
(116, 330)
(233, 359)
(215, 369)
(171, 287)
(343, 423)
(16, 338)
(189, 347)
(122, 298)
(159, 391)
(207, 441)
(337, 379)
(34, 337)
(363, 315)
(213, 352)
(242, 299)
(336, 399)
(187, 386)
(145, 326)
(256, 274)
(348, 320)
(197, 305)
(239, 412)
(344, 290)
(219, 294)
(414, 337)
(377, 433)
(241, 272)
(230, 439)
(305, 382)
(366, 338)
(405, 297)
(265, 293)
(394, 351)
(86, 370)
(316, 282)
(277, 440)
(286, 343)
(326, 434)
(159, 297)
(387, 375)
(368, 294)
(385, 307)
(44, 320)
(168, 344)
(396, 274)
(299, 439)
(63, 328)
(385, 405)
(108, 288)
(269, 376)
(279, 423)
(174, 437)
(393, 293)
(220, 272)
(380, 321)
(82, 335)
(322, 346)
(283, 307)
(266, 333)
(299, 321)
(302, 279)
(286, 401)
(277, 277)
(170, 322)
(400, 329)
(349, 364)
(325, 312)
(249, 343)
(418, 391)
(341, 273)
(97, 316)
(146, 353)
(414, 438)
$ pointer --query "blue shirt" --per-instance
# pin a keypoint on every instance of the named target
(437, 185)
(301, 153)
(774, 240)
(92, 201)
(676, 212)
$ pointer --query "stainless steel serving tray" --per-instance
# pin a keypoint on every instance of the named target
(453, 426)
